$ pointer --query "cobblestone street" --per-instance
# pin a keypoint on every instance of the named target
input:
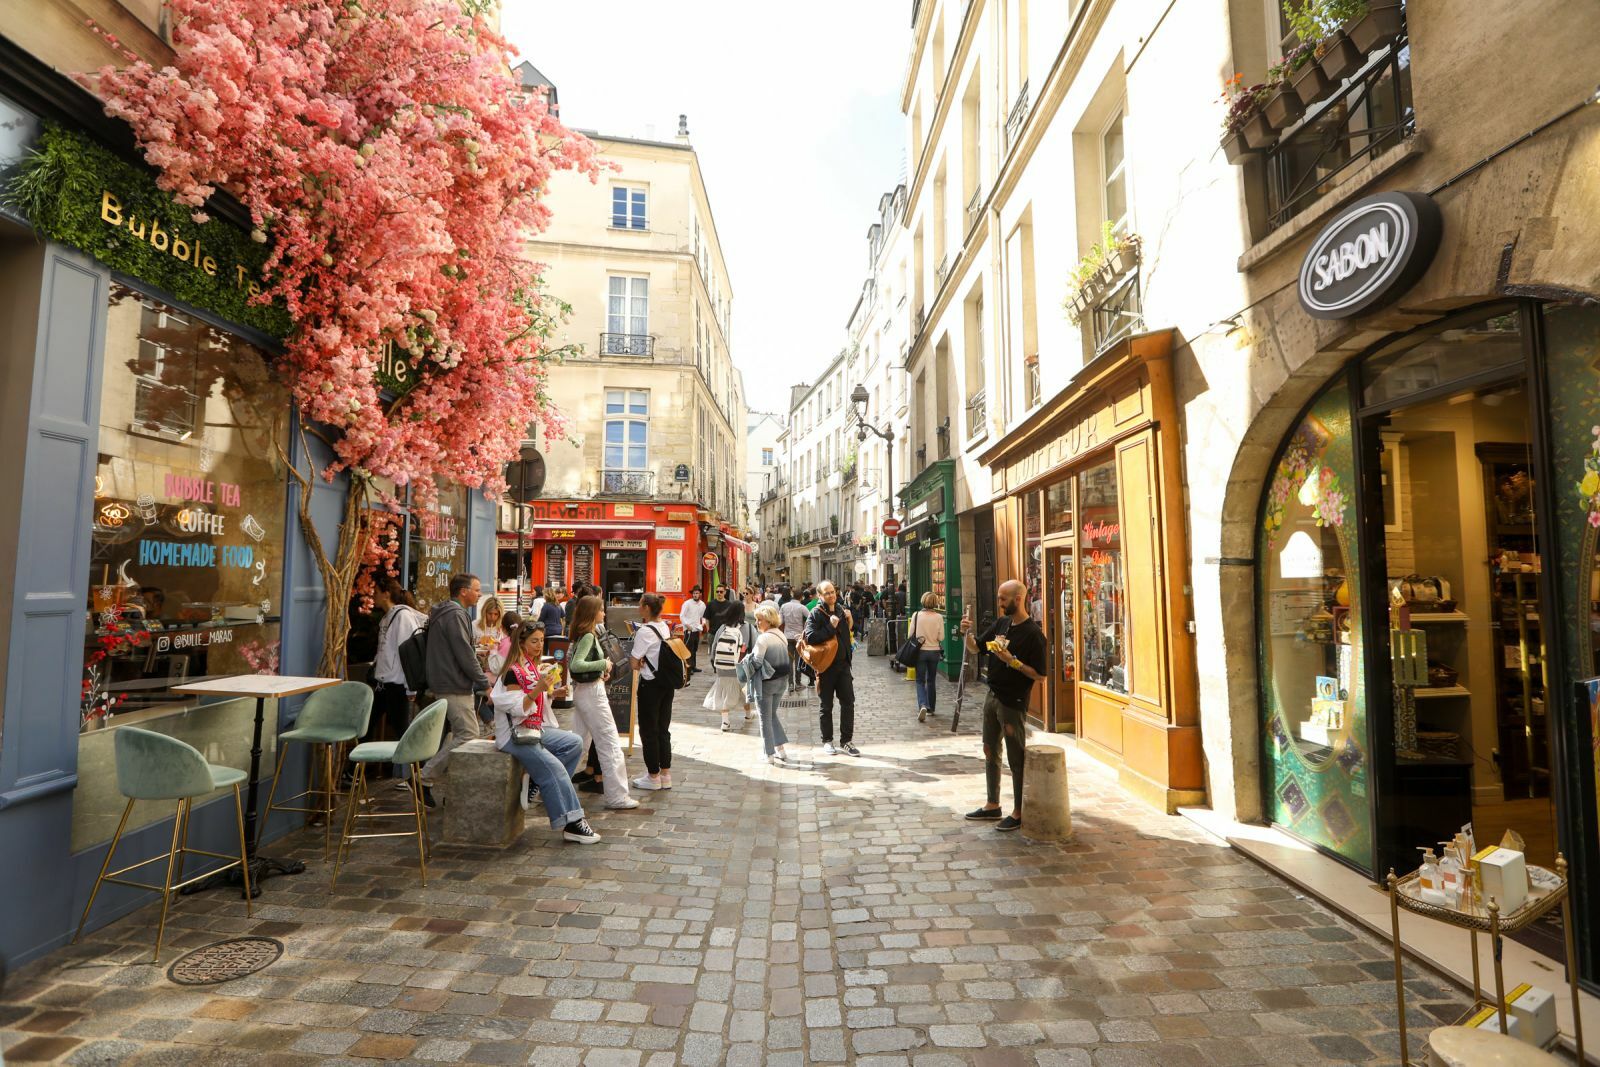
(758, 916)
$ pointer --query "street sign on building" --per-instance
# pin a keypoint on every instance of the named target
(891, 527)
(709, 561)
(680, 473)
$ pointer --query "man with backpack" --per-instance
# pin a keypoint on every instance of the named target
(730, 643)
(662, 672)
(453, 673)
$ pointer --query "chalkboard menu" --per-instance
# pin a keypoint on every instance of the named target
(555, 565)
(582, 565)
(619, 692)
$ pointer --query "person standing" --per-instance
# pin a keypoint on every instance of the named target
(928, 625)
(830, 620)
(793, 614)
(774, 649)
(521, 698)
(656, 691)
(693, 617)
(391, 700)
(454, 673)
(730, 644)
(1018, 647)
(550, 613)
(592, 719)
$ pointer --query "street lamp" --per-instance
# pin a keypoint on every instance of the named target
(859, 399)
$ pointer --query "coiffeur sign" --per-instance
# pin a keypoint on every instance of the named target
(1369, 255)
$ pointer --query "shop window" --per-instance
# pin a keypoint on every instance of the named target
(438, 546)
(1315, 736)
(1102, 589)
(1033, 552)
(1483, 346)
(1058, 507)
(188, 542)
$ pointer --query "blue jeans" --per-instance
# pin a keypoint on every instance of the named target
(772, 734)
(551, 765)
(927, 672)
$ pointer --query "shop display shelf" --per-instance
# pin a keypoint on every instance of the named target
(1438, 692)
(1549, 890)
(1422, 618)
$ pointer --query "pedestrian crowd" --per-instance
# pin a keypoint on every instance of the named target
(521, 674)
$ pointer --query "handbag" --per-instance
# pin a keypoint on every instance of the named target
(526, 735)
(909, 652)
(819, 657)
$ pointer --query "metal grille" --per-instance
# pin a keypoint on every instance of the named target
(223, 961)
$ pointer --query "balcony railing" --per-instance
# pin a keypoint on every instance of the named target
(974, 207)
(1372, 113)
(1118, 314)
(1017, 118)
(919, 321)
(628, 483)
(627, 344)
(941, 272)
(977, 413)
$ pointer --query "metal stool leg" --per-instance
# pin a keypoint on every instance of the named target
(166, 887)
(356, 780)
(104, 867)
(417, 810)
(261, 827)
(244, 855)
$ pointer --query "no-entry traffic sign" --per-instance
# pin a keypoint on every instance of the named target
(891, 527)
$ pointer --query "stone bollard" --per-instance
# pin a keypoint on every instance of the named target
(1046, 809)
(1462, 1046)
(481, 806)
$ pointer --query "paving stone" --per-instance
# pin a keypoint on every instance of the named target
(766, 917)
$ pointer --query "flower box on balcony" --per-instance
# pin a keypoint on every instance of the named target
(1340, 58)
(1310, 84)
(1282, 109)
(1380, 26)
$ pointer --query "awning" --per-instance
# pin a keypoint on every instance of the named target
(582, 531)
(736, 543)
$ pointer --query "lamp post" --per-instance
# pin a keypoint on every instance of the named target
(858, 400)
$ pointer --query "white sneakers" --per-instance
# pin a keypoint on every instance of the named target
(643, 782)
(828, 749)
(625, 804)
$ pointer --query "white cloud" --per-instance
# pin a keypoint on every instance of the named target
(794, 111)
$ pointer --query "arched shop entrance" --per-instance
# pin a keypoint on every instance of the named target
(1428, 595)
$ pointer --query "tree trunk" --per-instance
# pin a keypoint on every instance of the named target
(339, 572)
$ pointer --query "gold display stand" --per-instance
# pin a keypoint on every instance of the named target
(1405, 895)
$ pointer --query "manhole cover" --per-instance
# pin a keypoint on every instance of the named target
(223, 961)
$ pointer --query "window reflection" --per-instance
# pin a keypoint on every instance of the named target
(1101, 581)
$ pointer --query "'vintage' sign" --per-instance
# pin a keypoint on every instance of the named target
(1370, 254)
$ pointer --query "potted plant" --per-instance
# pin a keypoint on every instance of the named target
(1380, 24)
(1245, 129)
(1304, 73)
(1282, 107)
(1321, 24)
(1114, 255)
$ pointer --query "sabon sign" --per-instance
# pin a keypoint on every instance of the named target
(1370, 254)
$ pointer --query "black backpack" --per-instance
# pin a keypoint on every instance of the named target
(414, 659)
(670, 672)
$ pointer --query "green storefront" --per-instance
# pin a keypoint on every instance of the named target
(933, 556)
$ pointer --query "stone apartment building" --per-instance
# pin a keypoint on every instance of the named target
(652, 478)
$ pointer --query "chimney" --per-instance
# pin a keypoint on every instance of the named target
(683, 128)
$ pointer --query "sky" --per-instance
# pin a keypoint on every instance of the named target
(794, 111)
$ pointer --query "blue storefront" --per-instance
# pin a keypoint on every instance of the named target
(153, 535)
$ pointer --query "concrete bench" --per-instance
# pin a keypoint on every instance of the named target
(1462, 1046)
(1046, 808)
(481, 806)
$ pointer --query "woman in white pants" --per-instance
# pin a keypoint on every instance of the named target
(589, 670)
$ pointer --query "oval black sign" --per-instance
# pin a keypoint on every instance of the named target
(1371, 253)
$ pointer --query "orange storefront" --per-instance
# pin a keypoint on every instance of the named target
(1088, 515)
(626, 550)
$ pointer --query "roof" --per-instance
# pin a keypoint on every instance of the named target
(531, 78)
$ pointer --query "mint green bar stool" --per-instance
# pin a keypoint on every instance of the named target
(331, 717)
(416, 745)
(152, 766)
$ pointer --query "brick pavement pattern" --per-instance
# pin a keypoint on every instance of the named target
(754, 915)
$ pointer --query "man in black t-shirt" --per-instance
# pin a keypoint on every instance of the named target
(1018, 660)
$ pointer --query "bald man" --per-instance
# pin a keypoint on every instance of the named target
(1018, 662)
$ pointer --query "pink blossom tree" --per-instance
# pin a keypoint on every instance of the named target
(387, 153)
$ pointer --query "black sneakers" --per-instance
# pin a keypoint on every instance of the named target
(427, 797)
(1007, 824)
(984, 815)
(850, 750)
(581, 832)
